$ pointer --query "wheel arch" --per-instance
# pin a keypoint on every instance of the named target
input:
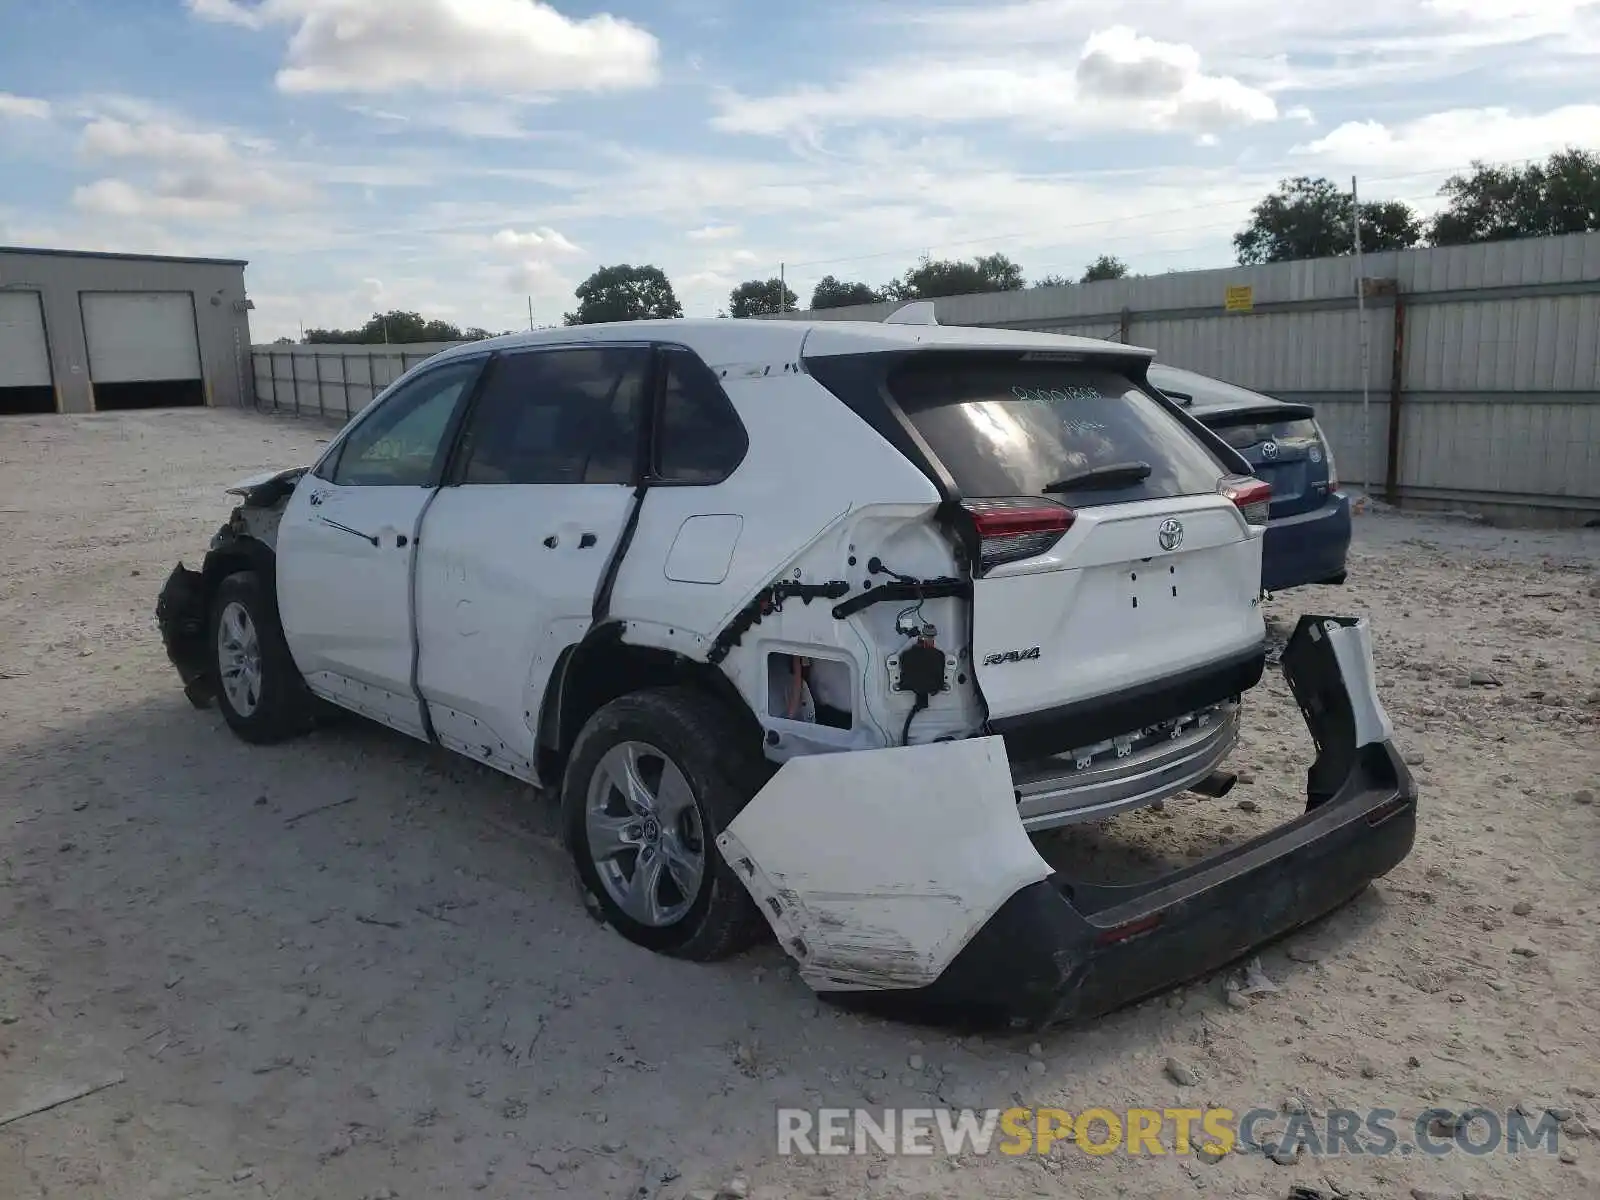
(604, 667)
(185, 611)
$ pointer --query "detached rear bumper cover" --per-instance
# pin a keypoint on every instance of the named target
(904, 877)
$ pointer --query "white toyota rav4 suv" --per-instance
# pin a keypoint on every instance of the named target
(816, 622)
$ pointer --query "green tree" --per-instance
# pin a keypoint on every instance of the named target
(397, 327)
(1310, 218)
(757, 296)
(1491, 203)
(931, 278)
(1054, 279)
(1105, 267)
(836, 293)
(625, 293)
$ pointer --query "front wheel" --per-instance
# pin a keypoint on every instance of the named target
(259, 689)
(654, 778)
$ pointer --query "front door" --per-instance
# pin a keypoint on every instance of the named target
(515, 544)
(346, 544)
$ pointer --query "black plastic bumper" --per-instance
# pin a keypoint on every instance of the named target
(181, 615)
(1057, 951)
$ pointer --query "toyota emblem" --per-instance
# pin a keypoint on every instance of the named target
(1269, 450)
(1170, 535)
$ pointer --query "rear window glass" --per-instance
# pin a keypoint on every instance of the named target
(1289, 435)
(1015, 427)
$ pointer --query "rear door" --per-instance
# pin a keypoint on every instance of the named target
(1284, 448)
(1108, 555)
(514, 545)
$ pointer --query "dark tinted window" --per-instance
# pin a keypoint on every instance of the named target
(1012, 427)
(558, 416)
(402, 441)
(1292, 435)
(699, 438)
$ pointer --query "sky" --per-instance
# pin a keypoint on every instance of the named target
(459, 157)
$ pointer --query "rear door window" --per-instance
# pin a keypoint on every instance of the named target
(1014, 427)
(558, 416)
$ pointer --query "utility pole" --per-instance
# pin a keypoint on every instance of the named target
(783, 288)
(530, 314)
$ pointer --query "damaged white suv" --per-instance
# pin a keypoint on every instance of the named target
(816, 623)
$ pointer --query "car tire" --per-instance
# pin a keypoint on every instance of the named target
(637, 857)
(259, 689)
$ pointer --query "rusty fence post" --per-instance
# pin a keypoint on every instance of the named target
(1397, 369)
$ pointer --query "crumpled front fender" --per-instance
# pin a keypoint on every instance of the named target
(905, 875)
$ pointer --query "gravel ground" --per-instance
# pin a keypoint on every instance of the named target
(352, 966)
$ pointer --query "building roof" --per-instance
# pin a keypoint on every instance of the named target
(169, 258)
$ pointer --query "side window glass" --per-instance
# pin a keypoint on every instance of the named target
(699, 438)
(402, 442)
(558, 416)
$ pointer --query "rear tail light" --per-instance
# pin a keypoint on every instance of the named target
(1253, 497)
(1013, 529)
(1327, 451)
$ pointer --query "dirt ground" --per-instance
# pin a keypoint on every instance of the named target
(352, 966)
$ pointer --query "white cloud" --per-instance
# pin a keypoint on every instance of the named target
(712, 233)
(1122, 80)
(1447, 140)
(228, 12)
(534, 271)
(544, 241)
(511, 47)
(189, 173)
(12, 105)
(154, 141)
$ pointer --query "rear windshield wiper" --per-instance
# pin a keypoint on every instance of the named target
(1110, 475)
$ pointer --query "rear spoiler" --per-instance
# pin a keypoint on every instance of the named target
(1277, 411)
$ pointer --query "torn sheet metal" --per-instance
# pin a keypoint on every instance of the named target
(876, 867)
(903, 881)
(267, 488)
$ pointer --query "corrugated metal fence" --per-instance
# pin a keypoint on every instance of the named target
(334, 381)
(1483, 371)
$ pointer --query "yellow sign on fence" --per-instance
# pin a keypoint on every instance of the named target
(1240, 298)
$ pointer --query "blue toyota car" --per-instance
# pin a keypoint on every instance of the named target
(1308, 527)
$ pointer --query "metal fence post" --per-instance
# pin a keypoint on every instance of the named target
(316, 362)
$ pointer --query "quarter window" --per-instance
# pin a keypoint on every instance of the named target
(699, 438)
(558, 416)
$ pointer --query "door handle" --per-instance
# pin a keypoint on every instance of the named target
(551, 542)
(586, 541)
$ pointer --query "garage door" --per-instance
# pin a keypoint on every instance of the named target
(25, 384)
(143, 352)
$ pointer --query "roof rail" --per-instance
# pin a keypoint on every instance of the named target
(918, 312)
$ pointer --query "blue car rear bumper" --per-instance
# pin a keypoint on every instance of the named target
(1307, 547)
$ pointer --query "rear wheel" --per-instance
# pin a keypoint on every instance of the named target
(259, 689)
(654, 778)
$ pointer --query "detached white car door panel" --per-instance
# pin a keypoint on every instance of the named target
(514, 546)
(347, 542)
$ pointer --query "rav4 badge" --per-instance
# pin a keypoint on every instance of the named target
(1011, 656)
